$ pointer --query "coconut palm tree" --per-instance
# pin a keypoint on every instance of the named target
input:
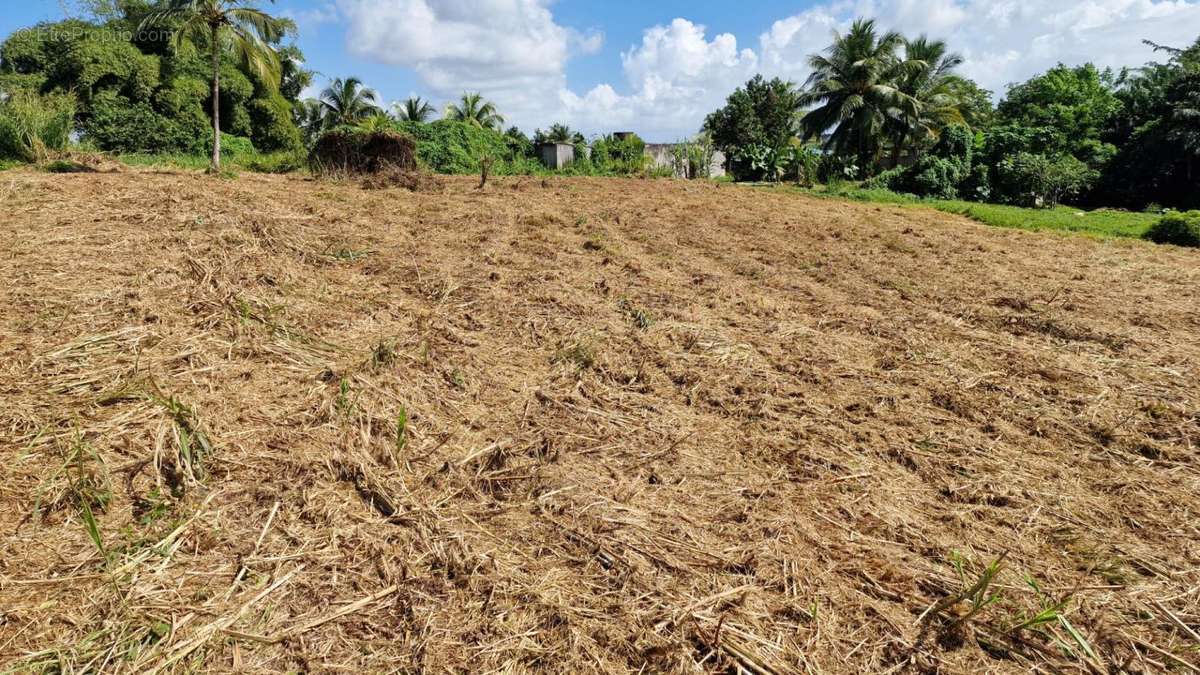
(348, 101)
(414, 110)
(929, 79)
(226, 26)
(309, 115)
(853, 88)
(472, 109)
(558, 133)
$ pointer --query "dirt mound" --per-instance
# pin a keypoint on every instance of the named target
(359, 152)
(275, 424)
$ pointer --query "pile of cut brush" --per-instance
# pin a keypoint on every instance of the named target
(353, 152)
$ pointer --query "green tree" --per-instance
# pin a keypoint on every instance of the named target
(854, 90)
(929, 80)
(1064, 106)
(519, 145)
(414, 110)
(347, 101)
(558, 133)
(309, 116)
(227, 26)
(294, 77)
(761, 112)
(474, 110)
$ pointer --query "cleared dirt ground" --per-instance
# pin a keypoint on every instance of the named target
(584, 426)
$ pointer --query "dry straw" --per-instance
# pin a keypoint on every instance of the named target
(275, 424)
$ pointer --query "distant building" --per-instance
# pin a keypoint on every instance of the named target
(662, 155)
(557, 155)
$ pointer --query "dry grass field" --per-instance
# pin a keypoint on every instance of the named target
(569, 425)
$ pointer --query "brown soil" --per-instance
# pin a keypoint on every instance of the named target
(650, 426)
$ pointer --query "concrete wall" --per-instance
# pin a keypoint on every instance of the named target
(662, 155)
(557, 155)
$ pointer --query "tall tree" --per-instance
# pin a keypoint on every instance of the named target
(348, 101)
(414, 110)
(473, 109)
(1065, 107)
(928, 79)
(310, 117)
(761, 112)
(227, 26)
(558, 133)
(854, 91)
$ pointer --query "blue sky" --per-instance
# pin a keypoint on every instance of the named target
(657, 67)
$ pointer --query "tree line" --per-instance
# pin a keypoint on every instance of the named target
(881, 108)
(896, 113)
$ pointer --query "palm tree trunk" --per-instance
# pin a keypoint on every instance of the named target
(216, 100)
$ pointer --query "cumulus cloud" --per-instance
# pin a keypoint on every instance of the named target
(516, 53)
(675, 77)
(309, 20)
(1004, 41)
(511, 50)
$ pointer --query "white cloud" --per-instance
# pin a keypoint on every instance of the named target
(1004, 41)
(308, 20)
(676, 76)
(511, 50)
(516, 53)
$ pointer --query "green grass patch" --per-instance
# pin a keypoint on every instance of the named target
(280, 162)
(1099, 223)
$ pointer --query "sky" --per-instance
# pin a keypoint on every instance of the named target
(658, 67)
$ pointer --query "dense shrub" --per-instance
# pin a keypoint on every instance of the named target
(1181, 229)
(31, 126)
(118, 124)
(978, 184)
(931, 176)
(519, 145)
(1026, 179)
(271, 126)
(447, 146)
(137, 97)
(886, 180)
(938, 174)
(347, 150)
(619, 155)
(11, 83)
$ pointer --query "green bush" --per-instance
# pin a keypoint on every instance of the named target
(447, 146)
(1180, 229)
(11, 83)
(519, 145)
(272, 126)
(940, 173)
(886, 180)
(236, 147)
(31, 126)
(117, 124)
(1026, 179)
(624, 156)
(931, 176)
(978, 184)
